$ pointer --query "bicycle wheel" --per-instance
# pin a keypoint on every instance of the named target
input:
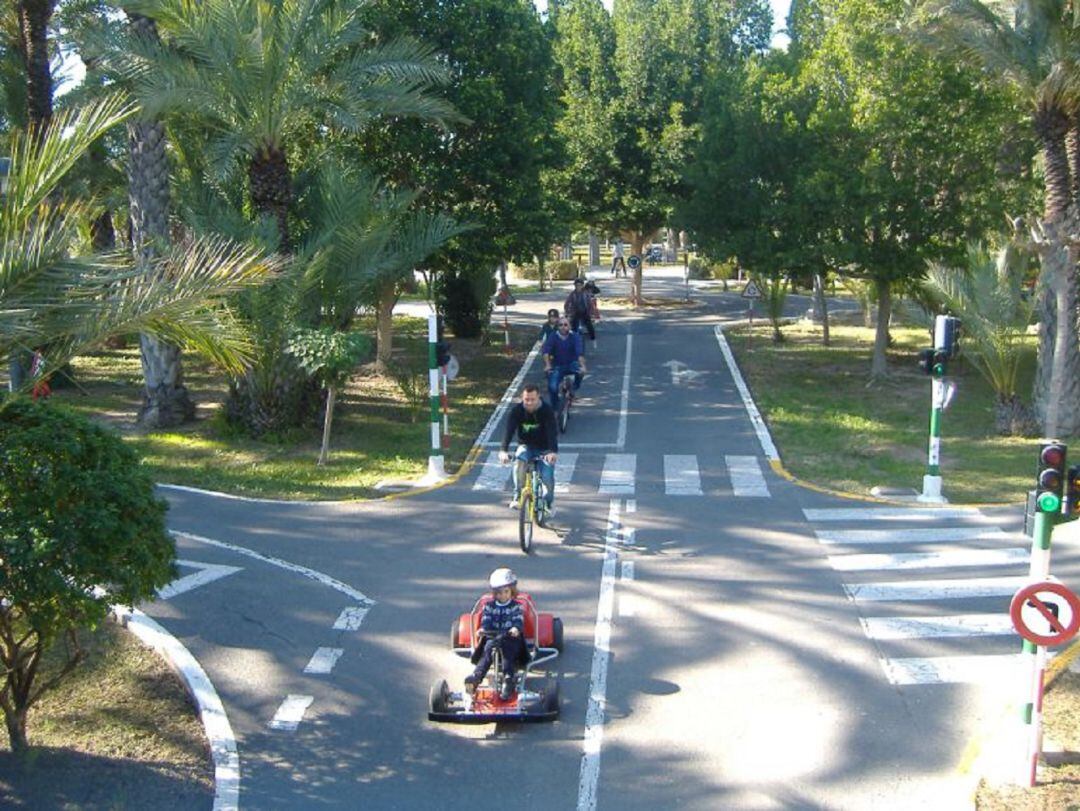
(565, 395)
(525, 521)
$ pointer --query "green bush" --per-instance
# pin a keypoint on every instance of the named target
(80, 530)
(465, 300)
(563, 270)
(725, 270)
(529, 271)
(699, 269)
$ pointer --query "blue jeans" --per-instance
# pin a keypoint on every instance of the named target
(555, 377)
(547, 472)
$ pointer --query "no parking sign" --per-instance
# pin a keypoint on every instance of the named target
(1048, 605)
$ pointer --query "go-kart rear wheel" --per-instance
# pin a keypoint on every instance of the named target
(551, 696)
(557, 634)
(439, 696)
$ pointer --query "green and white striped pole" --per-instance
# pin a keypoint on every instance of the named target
(1034, 656)
(436, 468)
(931, 491)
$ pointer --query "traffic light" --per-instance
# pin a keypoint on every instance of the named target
(1050, 477)
(932, 361)
(442, 353)
(947, 335)
(1072, 492)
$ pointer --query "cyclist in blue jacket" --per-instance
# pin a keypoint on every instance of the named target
(564, 354)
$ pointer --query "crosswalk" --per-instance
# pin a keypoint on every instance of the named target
(934, 594)
(620, 474)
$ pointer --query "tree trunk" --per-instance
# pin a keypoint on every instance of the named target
(637, 242)
(34, 17)
(1012, 417)
(671, 247)
(270, 184)
(102, 233)
(16, 729)
(166, 400)
(821, 308)
(502, 275)
(594, 249)
(878, 364)
(1051, 127)
(1062, 414)
(324, 451)
(384, 327)
(540, 270)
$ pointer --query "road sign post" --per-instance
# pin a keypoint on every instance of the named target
(1051, 604)
(751, 293)
(436, 467)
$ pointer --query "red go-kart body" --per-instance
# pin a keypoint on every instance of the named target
(529, 702)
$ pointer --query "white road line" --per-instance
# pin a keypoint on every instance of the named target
(208, 573)
(508, 396)
(291, 712)
(350, 618)
(894, 514)
(624, 402)
(936, 589)
(493, 475)
(681, 475)
(631, 505)
(628, 570)
(323, 660)
(997, 624)
(747, 479)
(760, 428)
(931, 560)
(319, 577)
(928, 535)
(618, 475)
(594, 714)
(564, 471)
(998, 669)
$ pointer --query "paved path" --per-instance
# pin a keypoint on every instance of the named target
(732, 640)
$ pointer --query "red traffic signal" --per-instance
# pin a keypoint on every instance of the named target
(1072, 491)
(1050, 477)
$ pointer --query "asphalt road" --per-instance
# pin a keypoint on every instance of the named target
(733, 640)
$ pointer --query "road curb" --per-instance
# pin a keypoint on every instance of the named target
(215, 722)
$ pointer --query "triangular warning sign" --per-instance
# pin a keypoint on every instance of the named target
(751, 290)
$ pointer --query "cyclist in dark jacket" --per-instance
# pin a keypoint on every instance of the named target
(532, 421)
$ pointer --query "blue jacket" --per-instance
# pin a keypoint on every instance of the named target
(563, 351)
(500, 617)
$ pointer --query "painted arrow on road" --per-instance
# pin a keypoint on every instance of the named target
(208, 573)
(680, 372)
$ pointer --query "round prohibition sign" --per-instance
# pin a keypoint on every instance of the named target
(634, 262)
(1033, 604)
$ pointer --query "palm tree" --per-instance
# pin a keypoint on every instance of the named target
(989, 297)
(166, 400)
(1034, 45)
(267, 74)
(51, 296)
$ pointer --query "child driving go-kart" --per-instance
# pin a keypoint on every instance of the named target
(502, 627)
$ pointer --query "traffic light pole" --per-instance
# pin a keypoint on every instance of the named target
(1034, 657)
(931, 491)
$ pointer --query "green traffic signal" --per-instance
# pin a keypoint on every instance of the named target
(1050, 477)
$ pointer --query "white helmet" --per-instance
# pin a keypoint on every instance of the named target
(502, 577)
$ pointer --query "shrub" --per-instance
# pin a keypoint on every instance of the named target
(529, 271)
(699, 269)
(80, 530)
(726, 270)
(465, 300)
(563, 270)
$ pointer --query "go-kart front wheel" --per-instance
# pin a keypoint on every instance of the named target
(439, 696)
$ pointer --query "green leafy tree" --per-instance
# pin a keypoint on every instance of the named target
(330, 357)
(988, 294)
(488, 172)
(81, 530)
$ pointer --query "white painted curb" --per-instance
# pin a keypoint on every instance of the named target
(211, 711)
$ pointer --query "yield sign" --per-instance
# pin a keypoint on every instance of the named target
(751, 290)
(208, 573)
(1046, 613)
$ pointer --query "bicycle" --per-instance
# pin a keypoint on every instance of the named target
(566, 399)
(532, 502)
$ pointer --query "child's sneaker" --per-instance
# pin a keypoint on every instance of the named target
(507, 688)
(470, 683)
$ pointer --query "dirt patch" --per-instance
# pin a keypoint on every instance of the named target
(121, 732)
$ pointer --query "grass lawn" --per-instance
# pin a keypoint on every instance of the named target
(121, 732)
(380, 429)
(836, 429)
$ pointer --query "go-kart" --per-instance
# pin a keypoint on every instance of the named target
(528, 701)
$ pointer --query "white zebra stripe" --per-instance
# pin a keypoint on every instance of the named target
(997, 624)
(618, 475)
(493, 475)
(893, 514)
(681, 475)
(928, 535)
(989, 670)
(935, 589)
(930, 560)
(746, 476)
(564, 471)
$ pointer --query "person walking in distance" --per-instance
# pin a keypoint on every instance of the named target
(617, 259)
